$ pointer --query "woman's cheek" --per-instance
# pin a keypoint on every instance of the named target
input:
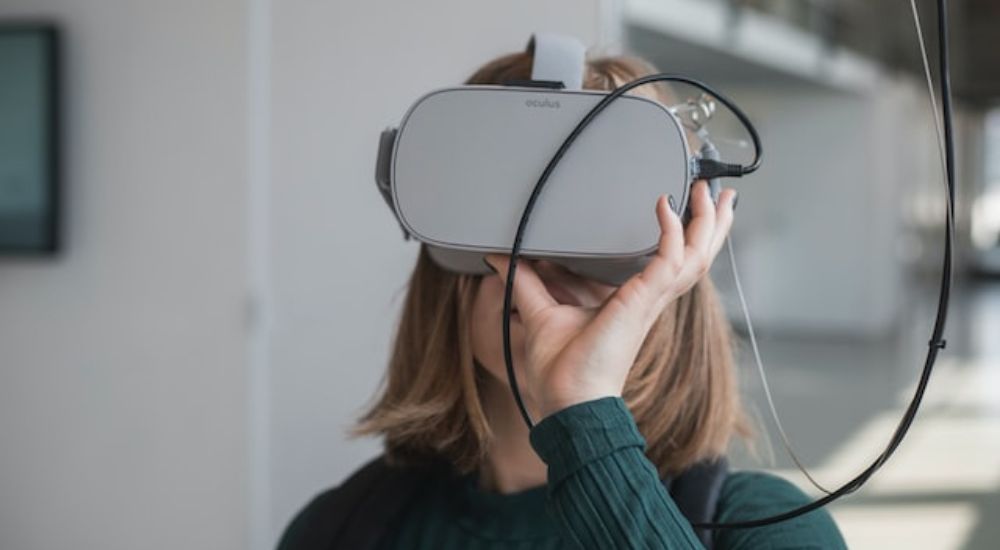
(487, 329)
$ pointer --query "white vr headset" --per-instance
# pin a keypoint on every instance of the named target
(460, 167)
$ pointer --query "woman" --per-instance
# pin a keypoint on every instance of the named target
(630, 386)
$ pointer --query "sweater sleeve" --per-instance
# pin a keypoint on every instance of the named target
(602, 490)
(749, 495)
(604, 493)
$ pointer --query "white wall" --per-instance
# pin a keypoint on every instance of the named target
(820, 235)
(341, 72)
(183, 375)
(122, 361)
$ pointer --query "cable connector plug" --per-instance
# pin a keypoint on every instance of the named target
(709, 169)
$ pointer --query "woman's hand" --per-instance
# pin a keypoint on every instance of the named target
(576, 354)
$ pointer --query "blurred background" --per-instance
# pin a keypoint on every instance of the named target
(181, 373)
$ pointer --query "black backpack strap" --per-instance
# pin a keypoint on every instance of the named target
(696, 493)
(357, 513)
(354, 514)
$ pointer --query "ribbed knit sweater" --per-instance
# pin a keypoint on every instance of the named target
(602, 493)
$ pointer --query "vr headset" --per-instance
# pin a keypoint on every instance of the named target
(460, 167)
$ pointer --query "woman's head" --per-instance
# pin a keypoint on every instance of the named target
(681, 390)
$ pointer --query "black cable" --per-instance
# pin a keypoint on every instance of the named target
(714, 167)
(935, 344)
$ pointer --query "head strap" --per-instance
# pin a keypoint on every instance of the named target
(557, 57)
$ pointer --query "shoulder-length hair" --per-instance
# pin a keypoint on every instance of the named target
(682, 389)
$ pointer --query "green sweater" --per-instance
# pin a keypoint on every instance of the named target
(602, 493)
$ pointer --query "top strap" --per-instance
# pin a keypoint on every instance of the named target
(557, 57)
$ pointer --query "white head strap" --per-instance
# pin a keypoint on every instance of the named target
(557, 57)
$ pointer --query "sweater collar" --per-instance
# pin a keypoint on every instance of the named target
(511, 516)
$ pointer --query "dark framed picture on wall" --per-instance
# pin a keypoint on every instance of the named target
(29, 138)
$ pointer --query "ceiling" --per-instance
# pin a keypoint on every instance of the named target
(883, 29)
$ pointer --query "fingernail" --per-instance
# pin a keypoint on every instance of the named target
(670, 201)
(736, 199)
(487, 264)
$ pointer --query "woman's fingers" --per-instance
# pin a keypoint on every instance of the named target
(682, 250)
(701, 227)
(684, 254)
(670, 252)
(669, 256)
(530, 294)
(641, 293)
(700, 254)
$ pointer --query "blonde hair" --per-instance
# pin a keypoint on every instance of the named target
(682, 389)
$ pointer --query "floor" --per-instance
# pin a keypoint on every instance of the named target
(841, 401)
